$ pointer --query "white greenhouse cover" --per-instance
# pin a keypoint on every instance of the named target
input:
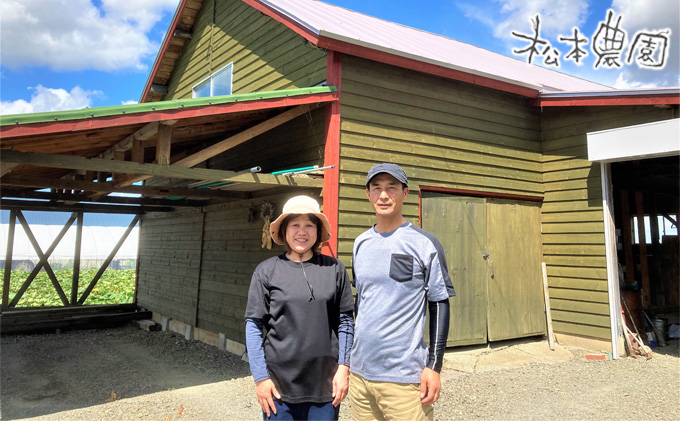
(97, 242)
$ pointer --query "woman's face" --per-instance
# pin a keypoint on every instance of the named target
(301, 234)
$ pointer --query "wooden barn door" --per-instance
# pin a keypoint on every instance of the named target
(515, 289)
(460, 225)
(493, 250)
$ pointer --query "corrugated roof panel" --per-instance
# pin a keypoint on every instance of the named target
(354, 27)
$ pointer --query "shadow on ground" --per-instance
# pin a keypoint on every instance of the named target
(48, 373)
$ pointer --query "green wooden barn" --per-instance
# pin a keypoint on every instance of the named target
(514, 168)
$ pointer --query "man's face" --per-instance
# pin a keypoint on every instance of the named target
(387, 195)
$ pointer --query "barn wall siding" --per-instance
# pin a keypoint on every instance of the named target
(267, 56)
(212, 295)
(169, 257)
(444, 133)
(573, 220)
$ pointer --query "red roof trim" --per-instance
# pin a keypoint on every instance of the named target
(162, 115)
(670, 99)
(284, 19)
(408, 63)
(166, 43)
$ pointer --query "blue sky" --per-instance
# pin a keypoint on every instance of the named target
(70, 54)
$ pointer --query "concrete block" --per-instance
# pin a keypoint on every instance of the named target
(235, 347)
(222, 344)
(148, 325)
(205, 336)
(189, 333)
(178, 327)
(165, 324)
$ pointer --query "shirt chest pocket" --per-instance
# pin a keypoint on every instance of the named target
(401, 267)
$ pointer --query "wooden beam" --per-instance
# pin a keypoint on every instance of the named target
(178, 33)
(155, 170)
(137, 154)
(76, 260)
(39, 183)
(243, 136)
(75, 197)
(157, 88)
(6, 167)
(41, 256)
(8, 257)
(226, 144)
(627, 232)
(79, 207)
(642, 236)
(144, 133)
(108, 260)
(163, 145)
(43, 261)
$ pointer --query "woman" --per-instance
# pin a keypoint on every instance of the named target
(304, 300)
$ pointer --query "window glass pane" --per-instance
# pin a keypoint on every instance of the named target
(202, 91)
(222, 83)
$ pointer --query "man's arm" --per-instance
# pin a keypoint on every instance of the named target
(430, 383)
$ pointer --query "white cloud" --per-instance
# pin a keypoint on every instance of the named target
(71, 35)
(556, 16)
(130, 102)
(623, 83)
(48, 99)
(650, 17)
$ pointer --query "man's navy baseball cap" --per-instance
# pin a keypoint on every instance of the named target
(392, 169)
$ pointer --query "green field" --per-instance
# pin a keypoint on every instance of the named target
(114, 287)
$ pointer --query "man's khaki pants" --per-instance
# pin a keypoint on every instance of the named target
(386, 401)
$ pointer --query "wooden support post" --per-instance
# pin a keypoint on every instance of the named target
(548, 314)
(644, 264)
(8, 258)
(108, 260)
(627, 233)
(137, 151)
(76, 260)
(163, 145)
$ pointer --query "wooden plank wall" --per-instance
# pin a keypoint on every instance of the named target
(172, 260)
(169, 258)
(267, 55)
(573, 225)
(442, 132)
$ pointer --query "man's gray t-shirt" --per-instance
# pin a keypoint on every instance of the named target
(396, 274)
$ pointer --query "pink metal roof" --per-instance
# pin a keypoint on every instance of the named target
(355, 28)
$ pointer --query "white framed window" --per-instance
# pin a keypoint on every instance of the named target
(218, 83)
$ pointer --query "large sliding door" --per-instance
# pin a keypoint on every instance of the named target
(493, 249)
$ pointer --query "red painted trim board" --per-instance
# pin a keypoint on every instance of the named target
(331, 180)
(164, 48)
(608, 100)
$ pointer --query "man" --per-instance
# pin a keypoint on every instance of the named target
(399, 270)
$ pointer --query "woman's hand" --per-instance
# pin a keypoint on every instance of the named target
(340, 384)
(265, 390)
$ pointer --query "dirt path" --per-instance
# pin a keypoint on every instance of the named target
(161, 376)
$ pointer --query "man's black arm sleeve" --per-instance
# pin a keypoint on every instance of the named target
(439, 332)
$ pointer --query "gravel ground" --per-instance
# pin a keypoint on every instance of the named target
(161, 376)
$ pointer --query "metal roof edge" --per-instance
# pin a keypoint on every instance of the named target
(399, 53)
(292, 17)
(88, 113)
(612, 93)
